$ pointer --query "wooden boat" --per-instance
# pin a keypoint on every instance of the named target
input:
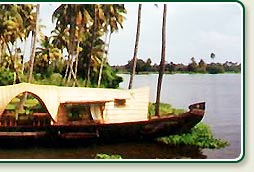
(91, 113)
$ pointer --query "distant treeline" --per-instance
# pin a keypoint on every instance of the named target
(192, 67)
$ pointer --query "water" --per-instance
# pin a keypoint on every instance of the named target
(222, 94)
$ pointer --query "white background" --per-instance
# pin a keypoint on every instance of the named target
(246, 165)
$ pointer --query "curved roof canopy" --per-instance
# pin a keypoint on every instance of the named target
(53, 96)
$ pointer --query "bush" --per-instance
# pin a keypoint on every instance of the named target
(53, 79)
(6, 77)
(165, 109)
(215, 68)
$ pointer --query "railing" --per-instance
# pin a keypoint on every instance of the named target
(36, 119)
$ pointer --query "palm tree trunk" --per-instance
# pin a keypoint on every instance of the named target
(103, 60)
(34, 44)
(88, 70)
(67, 68)
(20, 105)
(23, 58)
(17, 79)
(76, 66)
(162, 63)
(134, 60)
(71, 46)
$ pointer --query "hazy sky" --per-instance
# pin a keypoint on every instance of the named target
(193, 30)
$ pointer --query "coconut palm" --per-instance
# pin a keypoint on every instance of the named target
(162, 62)
(114, 17)
(134, 60)
(20, 105)
(28, 15)
(47, 53)
(60, 40)
(212, 55)
(34, 44)
(83, 24)
(76, 19)
(11, 29)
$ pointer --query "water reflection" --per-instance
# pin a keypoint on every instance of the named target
(129, 150)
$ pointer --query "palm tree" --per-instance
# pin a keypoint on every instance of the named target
(20, 105)
(114, 17)
(11, 29)
(34, 44)
(47, 53)
(212, 56)
(17, 22)
(29, 24)
(162, 63)
(75, 18)
(94, 12)
(134, 60)
(85, 23)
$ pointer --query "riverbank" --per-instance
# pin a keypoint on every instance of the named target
(173, 73)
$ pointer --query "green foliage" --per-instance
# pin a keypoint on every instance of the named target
(192, 67)
(53, 79)
(6, 77)
(215, 68)
(106, 156)
(200, 136)
(31, 104)
(165, 109)
(10, 107)
(110, 79)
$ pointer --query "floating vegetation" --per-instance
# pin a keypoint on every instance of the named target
(199, 136)
(106, 156)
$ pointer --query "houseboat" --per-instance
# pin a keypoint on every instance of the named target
(89, 113)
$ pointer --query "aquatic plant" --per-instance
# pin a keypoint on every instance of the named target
(106, 156)
(200, 136)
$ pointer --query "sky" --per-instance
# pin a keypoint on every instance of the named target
(194, 29)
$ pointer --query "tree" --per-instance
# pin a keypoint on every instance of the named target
(136, 46)
(11, 29)
(28, 14)
(162, 62)
(212, 55)
(114, 18)
(193, 66)
(34, 44)
(20, 105)
(171, 67)
(17, 21)
(47, 56)
(202, 66)
(76, 20)
(215, 68)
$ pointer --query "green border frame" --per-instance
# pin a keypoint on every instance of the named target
(209, 161)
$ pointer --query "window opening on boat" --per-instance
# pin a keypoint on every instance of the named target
(85, 111)
(119, 102)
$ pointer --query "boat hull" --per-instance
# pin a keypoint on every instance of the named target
(110, 132)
